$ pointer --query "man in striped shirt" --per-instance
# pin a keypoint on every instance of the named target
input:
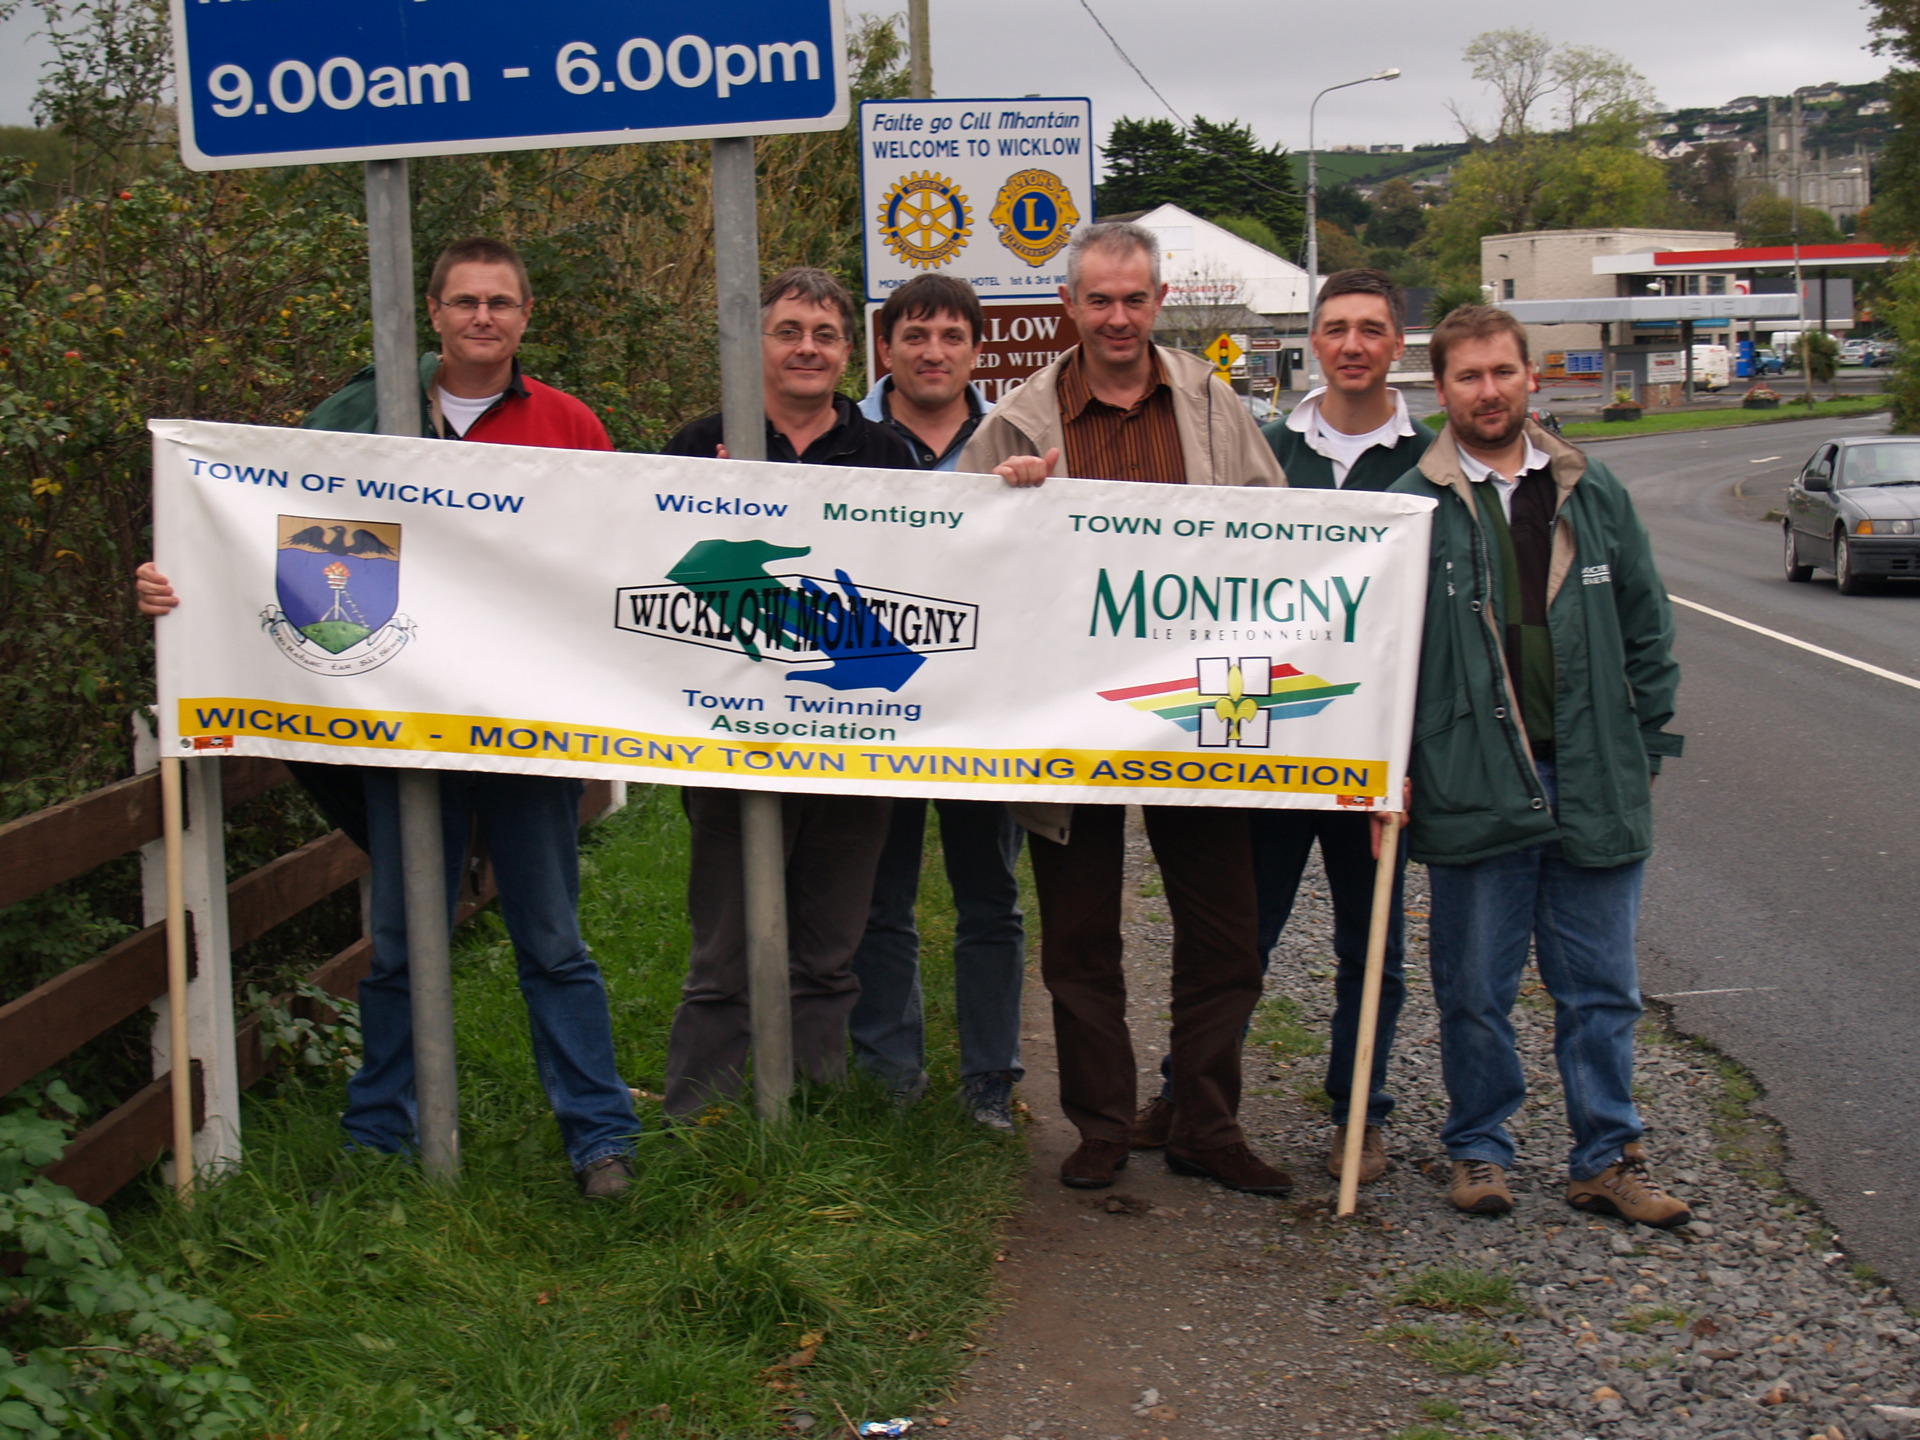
(1119, 407)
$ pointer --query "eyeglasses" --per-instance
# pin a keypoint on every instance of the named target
(472, 304)
(826, 337)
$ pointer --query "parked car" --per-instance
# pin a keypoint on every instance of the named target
(1854, 352)
(1261, 408)
(1854, 509)
(1765, 362)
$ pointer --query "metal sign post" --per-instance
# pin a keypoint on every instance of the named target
(736, 266)
(423, 861)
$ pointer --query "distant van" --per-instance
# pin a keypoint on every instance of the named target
(1712, 367)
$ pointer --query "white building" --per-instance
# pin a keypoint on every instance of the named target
(1208, 268)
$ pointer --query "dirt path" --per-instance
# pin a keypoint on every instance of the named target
(1167, 1306)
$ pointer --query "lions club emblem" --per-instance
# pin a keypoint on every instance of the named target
(925, 220)
(1034, 214)
(338, 583)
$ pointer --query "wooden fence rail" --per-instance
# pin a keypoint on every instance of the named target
(42, 1027)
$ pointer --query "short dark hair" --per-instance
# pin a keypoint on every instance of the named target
(478, 250)
(807, 282)
(1473, 322)
(1365, 282)
(926, 296)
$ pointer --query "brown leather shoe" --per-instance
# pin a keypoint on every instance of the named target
(1480, 1188)
(1625, 1189)
(1152, 1125)
(1094, 1166)
(1373, 1155)
(1234, 1166)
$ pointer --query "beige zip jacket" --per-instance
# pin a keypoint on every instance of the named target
(1219, 442)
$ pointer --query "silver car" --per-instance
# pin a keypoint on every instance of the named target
(1854, 509)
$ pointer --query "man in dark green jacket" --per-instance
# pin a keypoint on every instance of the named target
(1547, 681)
(1353, 433)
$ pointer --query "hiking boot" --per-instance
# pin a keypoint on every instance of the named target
(606, 1178)
(1234, 1166)
(1373, 1155)
(989, 1100)
(1625, 1189)
(1094, 1166)
(1152, 1124)
(1480, 1188)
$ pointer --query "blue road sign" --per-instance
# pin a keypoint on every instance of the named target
(283, 82)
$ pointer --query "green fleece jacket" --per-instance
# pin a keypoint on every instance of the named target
(1476, 793)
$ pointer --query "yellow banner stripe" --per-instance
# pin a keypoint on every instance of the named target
(209, 724)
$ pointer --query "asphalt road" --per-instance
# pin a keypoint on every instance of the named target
(1779, 917)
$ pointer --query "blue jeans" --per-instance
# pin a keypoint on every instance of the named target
(981, 845)
(530, 824)
(1282, 840)
(1581, 922)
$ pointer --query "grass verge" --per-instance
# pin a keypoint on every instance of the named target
(1458, 1350)
(1682, 420)
(1459, 1288)
(839, 1258)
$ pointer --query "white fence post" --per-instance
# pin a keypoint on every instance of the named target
(210, 1022)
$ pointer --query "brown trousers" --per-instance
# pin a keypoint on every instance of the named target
(833, 848)
(1205, 858)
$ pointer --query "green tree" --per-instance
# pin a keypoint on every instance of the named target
(1338, 249)
(1254, 232)
(1399, 215)
(1208, 168)
(1769, 220)
(1705, 187)
(1345, 207)
(1145, 160)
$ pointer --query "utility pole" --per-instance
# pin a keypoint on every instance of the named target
(919, 52)
(1313, 218)
(1799, 282)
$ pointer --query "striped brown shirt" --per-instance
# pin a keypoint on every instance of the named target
(1106, 442)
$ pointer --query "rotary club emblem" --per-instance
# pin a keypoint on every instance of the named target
(1034, 214)
(925, 220)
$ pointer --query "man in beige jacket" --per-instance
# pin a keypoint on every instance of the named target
(1119, 407)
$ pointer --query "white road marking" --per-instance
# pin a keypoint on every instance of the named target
(1820, 650)
(1763, 460)
(1741, 990)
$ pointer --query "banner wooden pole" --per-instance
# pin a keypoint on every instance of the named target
(1362, 1085)
(179, 1063)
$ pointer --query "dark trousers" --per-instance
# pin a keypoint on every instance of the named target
(1205, 861)
(1282, 840)
(832, 847)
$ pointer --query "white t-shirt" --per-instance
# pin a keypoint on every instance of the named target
(461, 411)
(1339, 447)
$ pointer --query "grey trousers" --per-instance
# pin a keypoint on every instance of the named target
(833, 847)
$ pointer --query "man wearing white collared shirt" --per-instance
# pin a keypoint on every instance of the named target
(1352, 434)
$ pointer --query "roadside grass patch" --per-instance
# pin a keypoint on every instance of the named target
(1435, 1408)
(1458, 1289)
(1642, 1318)
(842, 1256)
(1462, 1350)
(1316, 1097)
(1278, 1024)
(1681, 420)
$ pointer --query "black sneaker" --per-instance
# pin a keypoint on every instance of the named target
(989, 1100)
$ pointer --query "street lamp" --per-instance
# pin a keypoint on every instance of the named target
(1313, 221)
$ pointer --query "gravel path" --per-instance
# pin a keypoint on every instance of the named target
(1168, 1307)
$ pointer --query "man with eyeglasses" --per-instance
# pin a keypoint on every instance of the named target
(478, 302)
(832, 841)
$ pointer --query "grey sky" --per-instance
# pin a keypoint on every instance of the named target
(1228, 59)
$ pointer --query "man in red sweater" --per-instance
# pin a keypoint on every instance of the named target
(479, 301)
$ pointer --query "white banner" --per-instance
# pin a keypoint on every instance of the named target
(389, 601)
